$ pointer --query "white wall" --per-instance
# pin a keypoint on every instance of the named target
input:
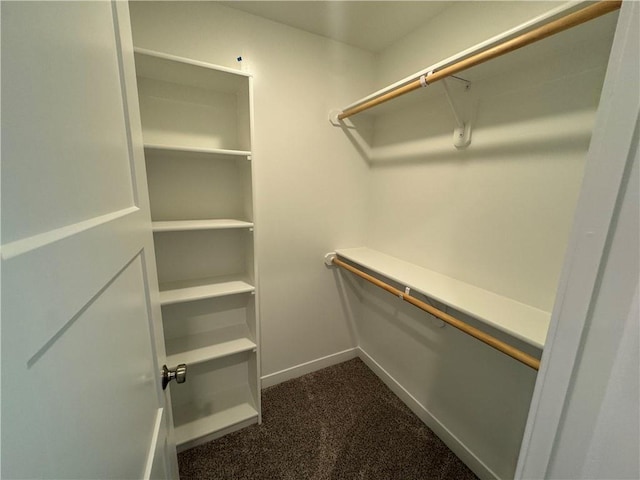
(310, 182)
(460, 26)
(473, 397)
(496, 215)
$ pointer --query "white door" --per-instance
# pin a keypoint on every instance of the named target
(81, 338)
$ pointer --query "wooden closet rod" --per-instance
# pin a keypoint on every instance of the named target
(544, 31)
(445, 317)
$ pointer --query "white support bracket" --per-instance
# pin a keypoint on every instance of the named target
(336, 122)
(328, 259)
(462, 114)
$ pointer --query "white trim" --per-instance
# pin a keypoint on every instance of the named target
(155, 441)
(454, 443)
(308, 367)
(28, 244)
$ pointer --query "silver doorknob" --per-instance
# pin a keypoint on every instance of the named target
(179, 374)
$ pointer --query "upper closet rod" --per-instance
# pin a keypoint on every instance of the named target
(564, 23)
(445, 317)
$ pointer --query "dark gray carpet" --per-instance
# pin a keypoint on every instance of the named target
(338, 423)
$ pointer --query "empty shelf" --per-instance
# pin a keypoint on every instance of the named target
(182, 225)
(517, 319)
(210, 151)
(188, 72)
(191, 426)
(211, 345)
(187, 291)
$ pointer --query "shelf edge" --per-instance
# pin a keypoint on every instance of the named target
(247, 288)
(190, 61)
(529, 339)
(164, 225)
(183, 357)
(203, 150)
(250, 413)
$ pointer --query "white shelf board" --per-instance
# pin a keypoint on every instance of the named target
(191, 427)
(191, 290)
(186, 225)
(189, 72)
(517, 319)
(580, 36)
(203, 150)
(207, 346)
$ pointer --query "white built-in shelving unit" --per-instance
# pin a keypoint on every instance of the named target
(197, 122)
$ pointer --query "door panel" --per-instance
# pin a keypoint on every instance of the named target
(94, 389)
(81, 347)
(65, 272)
(61, 64)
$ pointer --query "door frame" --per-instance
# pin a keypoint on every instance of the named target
(606, 173)
(134, 121)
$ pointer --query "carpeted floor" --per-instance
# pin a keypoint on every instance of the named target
(334, 424)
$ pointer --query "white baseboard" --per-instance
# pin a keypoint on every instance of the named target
(308, 367)
(456, 446)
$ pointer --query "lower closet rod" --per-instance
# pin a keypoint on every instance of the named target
(445, 317)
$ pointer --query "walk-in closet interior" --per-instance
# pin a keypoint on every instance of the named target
(407, 183)
(460, 194)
